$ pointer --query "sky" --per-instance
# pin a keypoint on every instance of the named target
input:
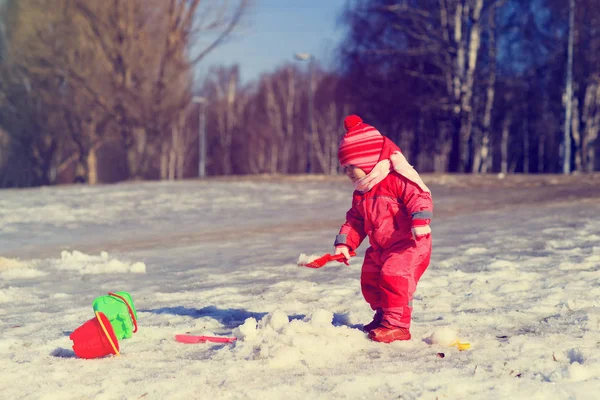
(514, 272)
(274, 30)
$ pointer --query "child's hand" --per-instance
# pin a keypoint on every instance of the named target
(420, 231)
(343, 249)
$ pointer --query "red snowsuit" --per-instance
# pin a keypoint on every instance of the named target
(395, 261)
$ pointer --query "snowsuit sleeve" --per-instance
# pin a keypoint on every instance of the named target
(352, 233)
(418, 203)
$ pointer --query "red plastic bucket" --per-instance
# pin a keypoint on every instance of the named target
(95, 338)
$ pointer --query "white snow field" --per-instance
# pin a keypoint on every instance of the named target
(515, 271)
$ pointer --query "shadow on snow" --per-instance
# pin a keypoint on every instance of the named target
(232, 318)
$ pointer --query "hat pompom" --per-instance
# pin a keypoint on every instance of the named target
(351, 121)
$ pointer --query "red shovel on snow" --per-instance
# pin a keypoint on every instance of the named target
(203, 339)
(321, 261)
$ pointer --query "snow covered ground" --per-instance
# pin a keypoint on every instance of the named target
(515, 271)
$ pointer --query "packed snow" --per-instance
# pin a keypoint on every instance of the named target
(515, 274)
(305, 259)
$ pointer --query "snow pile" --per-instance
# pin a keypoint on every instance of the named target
(102, 264)
(312, 342)
(16, 295)
(444, 336)
(306, 259)
(475, 250)
(6, 295)
(577, 372)
(15, 269)
(10, 263)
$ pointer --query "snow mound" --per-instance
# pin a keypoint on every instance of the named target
(304, 259)
(475, 250)
(277, 321)
(11, 263)
(313, 342)
(577, 372)
(246, 331)
(102, 264)
(15, 269)
(444, 336)
(5, 296)
(17, 295)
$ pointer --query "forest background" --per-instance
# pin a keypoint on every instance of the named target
(101, 92)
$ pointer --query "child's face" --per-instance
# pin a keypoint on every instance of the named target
(353, 172)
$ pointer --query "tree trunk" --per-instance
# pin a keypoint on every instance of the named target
(454, 158)
(92, 166)
(136, 152)
(504, 144)
(468, 86)
(164, 161)
(569, 92)
(326, 137)
(541, 168)
(526, 144)
(485, 155)
(443, 149)
(280, 114)
(172, 175)
(457, 86)
(591, 119)
(465, 67)
(576, 136)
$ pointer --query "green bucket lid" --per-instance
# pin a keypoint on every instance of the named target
(119, 309)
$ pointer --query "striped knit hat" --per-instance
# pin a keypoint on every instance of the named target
(361, 145)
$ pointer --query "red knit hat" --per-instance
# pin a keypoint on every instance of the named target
(361, 145)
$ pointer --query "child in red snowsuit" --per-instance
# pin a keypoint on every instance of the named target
(393, 207)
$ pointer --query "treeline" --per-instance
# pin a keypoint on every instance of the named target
(104, 91)
(97, 91)
(480, 85)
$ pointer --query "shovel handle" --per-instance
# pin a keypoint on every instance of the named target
(203, 339)
(340, 257)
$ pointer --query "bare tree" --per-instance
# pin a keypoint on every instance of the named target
(505, 143)
(583, 15)
(227, 103)
(483, 154)
(31, 96)
(331, 107)
(254, 158)
(569, 91)
(151, 81)
(591, 116)
(282, 107)
(437, 44)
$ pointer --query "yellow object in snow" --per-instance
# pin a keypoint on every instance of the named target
(461, 345)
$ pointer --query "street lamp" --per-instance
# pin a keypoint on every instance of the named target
(311, 132)
(201, 135)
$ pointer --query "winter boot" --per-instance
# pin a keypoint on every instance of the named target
(375, 323)
(387, 334)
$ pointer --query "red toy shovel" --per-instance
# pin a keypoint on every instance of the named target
(204, 339)
(321, 261)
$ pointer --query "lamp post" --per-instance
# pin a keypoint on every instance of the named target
(311, 132)
(201, 135)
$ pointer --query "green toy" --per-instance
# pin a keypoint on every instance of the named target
(118, 308)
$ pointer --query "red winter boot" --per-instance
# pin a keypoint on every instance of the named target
(388, 334)
(376, 323)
